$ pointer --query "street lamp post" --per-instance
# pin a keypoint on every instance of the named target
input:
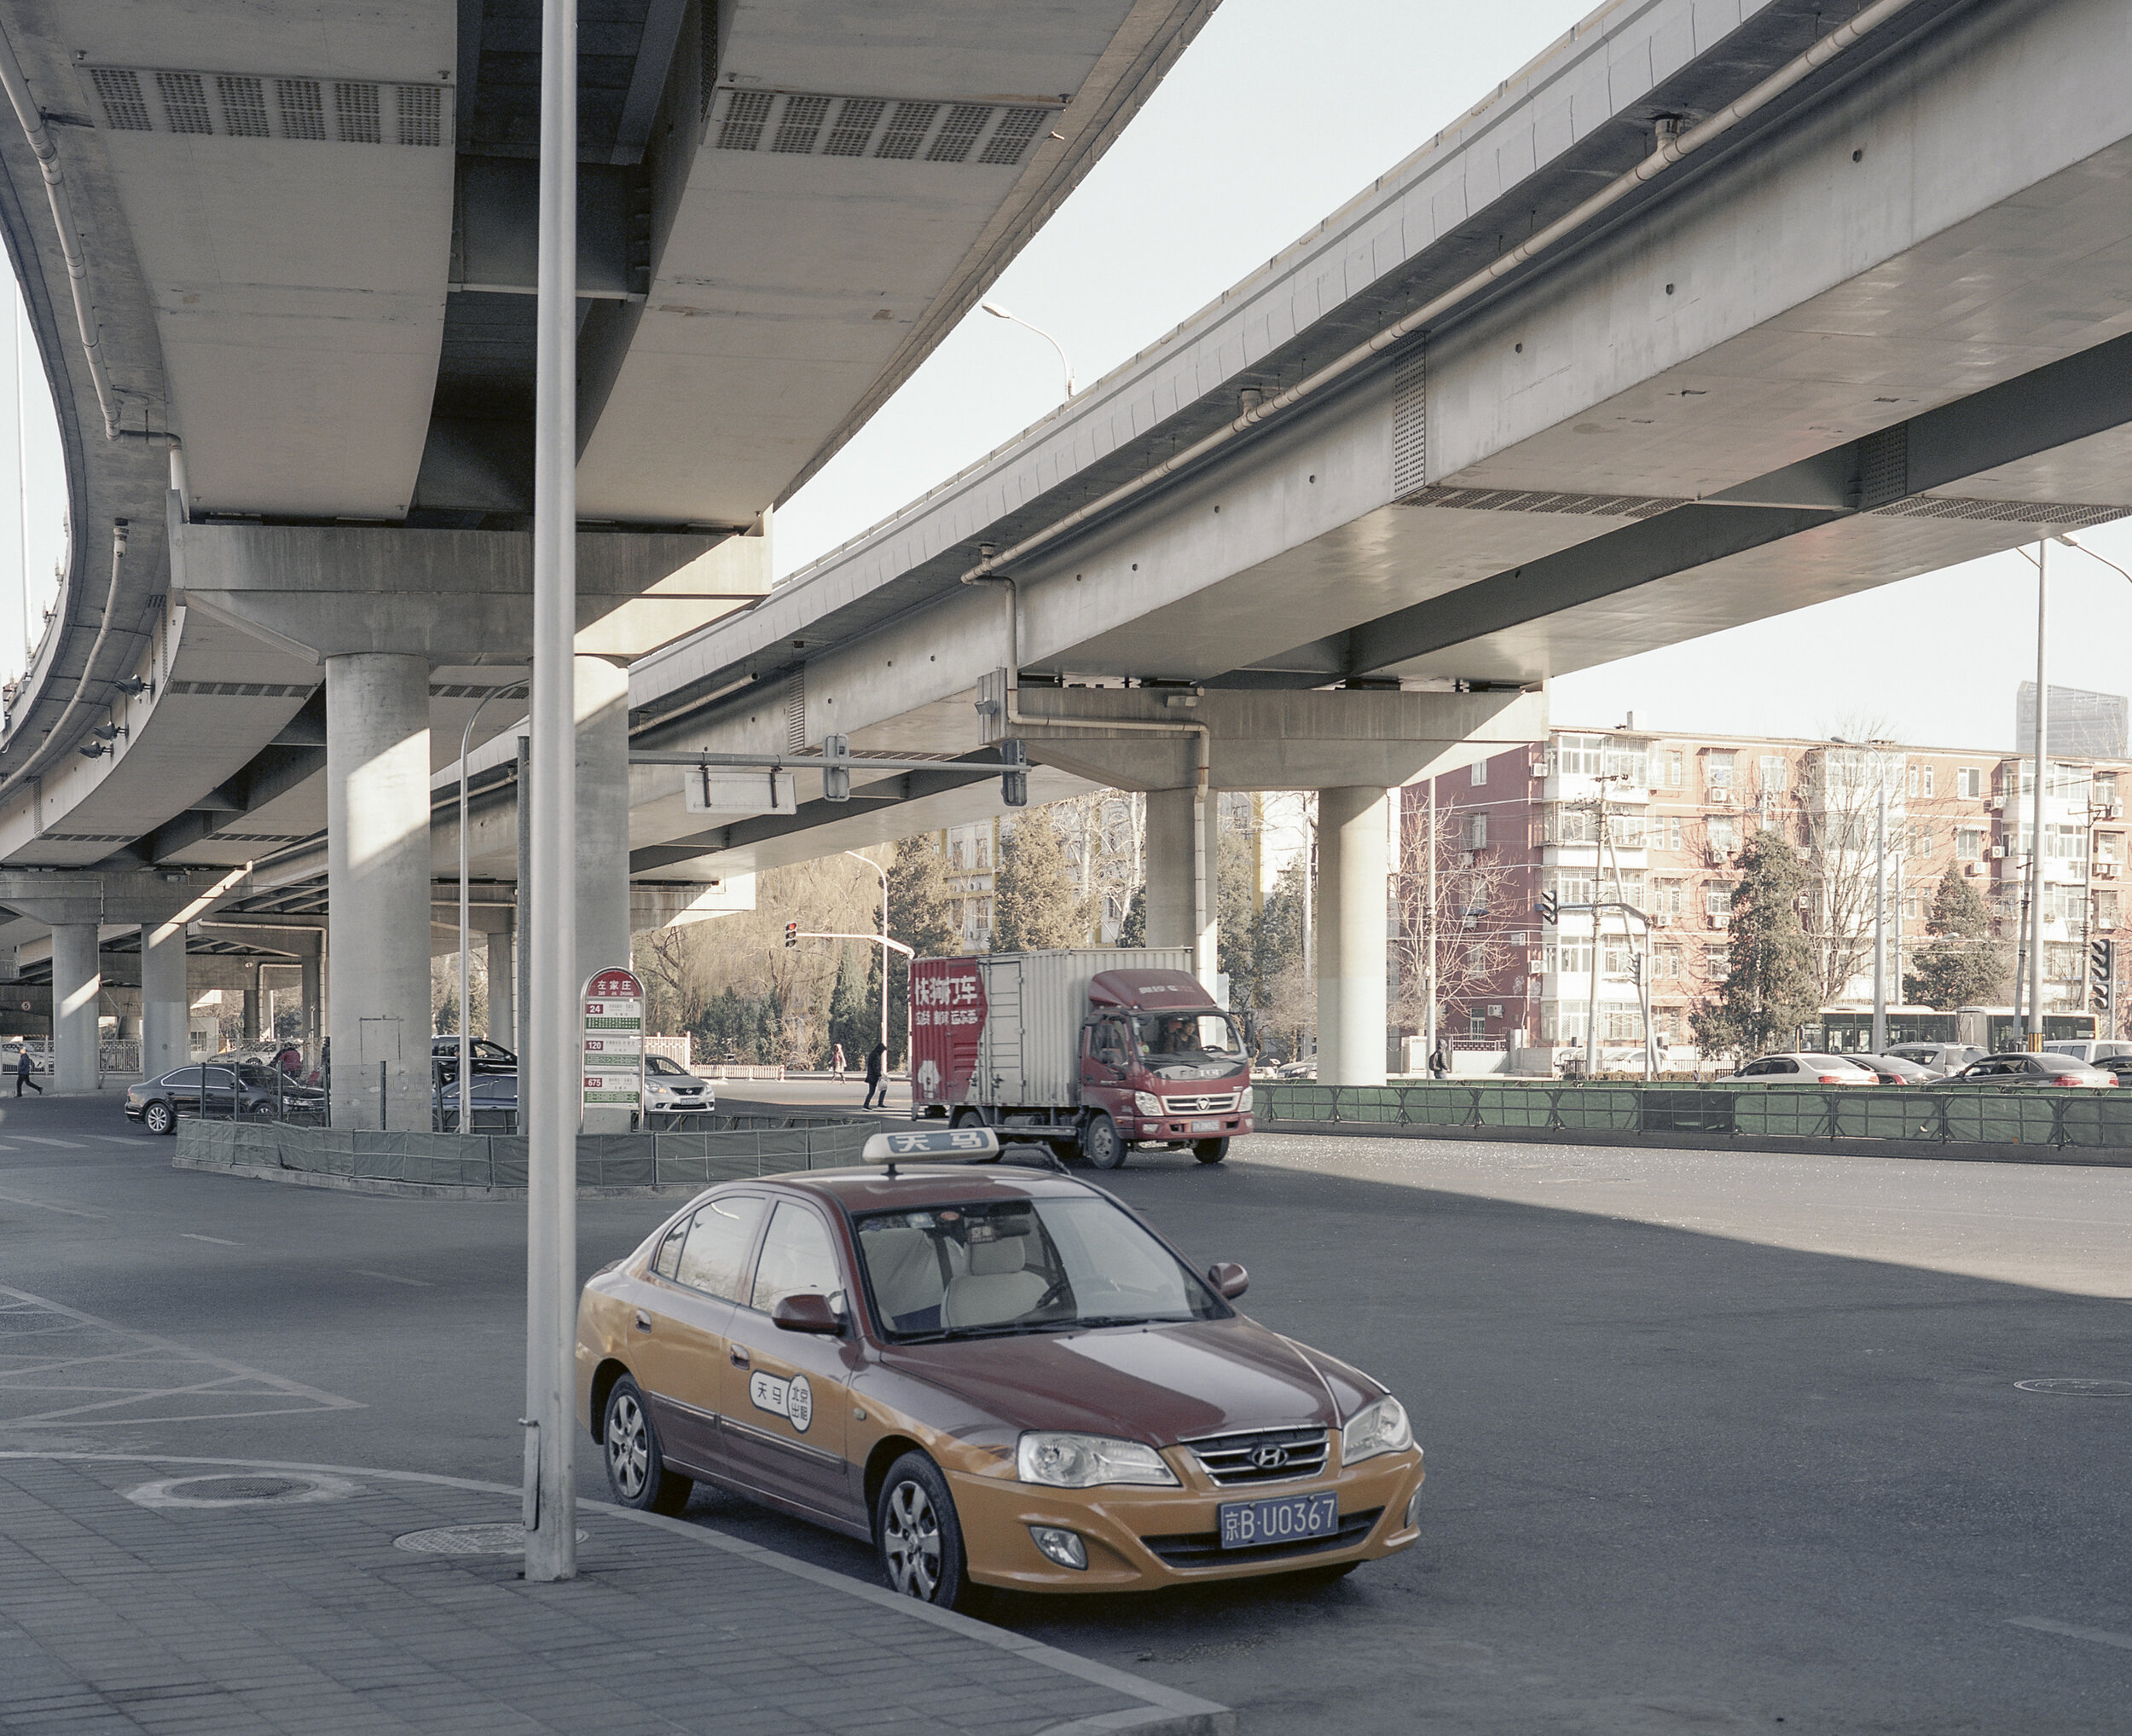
(2036, 823)
(1065, 366)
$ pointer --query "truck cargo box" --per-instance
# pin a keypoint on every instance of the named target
(1004, 1028)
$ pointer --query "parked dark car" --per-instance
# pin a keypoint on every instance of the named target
(2021, 1068)
(495, 1103)
(1895, 1069)
(2119, 1066)
(215, 1089)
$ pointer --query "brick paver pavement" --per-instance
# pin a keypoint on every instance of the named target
(278, 1614)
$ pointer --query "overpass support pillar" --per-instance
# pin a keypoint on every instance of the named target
(77, 998)
(252, 991)
(1353, 860)
(603, 834)
(503, 1025)
(378, 875)
(1182, 862)
(166, 1008)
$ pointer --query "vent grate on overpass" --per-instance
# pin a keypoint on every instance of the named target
(245, 105)
(801, 124)
(1542, 501)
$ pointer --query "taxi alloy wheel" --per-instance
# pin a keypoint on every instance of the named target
(636, 1468)
(1102, 1145)
(920, 1537)
(158, 1119)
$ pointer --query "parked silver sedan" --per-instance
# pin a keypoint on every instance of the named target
(2020, 1069)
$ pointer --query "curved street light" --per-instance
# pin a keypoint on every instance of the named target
(1066, 367)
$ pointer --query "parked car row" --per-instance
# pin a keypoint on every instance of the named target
(2015, 1067)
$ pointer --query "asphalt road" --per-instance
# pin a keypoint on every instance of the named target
(1718, 1442)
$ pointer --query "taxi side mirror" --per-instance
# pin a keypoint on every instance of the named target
(806, 1311)
(1229, 1279)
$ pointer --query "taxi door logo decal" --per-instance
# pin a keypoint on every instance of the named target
(793, 1399)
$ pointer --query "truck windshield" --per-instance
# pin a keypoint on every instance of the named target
(990, 1268)
(1184, 1045)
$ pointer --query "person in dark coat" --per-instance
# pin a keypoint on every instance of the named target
(877, 1075)
(1439, 1059)
(22, 1068)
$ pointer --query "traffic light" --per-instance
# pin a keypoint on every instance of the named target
(835, 779)
(1014, 782)
(2102, 978)
(791, 933)
(1551, 908)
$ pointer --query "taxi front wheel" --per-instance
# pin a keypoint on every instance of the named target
(920, 1537)
(636, 1468)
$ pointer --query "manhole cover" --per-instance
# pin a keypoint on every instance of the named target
(259, 1489)
(2070, 1386)
(469, 1540)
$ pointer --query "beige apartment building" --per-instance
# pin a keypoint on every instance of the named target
(1676, 809)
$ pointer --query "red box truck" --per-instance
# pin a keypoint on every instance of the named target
(1102, 1048)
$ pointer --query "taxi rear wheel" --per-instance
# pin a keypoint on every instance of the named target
(919, 1535)
(1101, 1144)
(636, 1468)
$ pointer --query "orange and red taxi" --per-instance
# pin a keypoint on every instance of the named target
(999, 1376)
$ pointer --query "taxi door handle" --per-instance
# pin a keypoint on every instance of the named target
(740, 1356)
(644, 1321)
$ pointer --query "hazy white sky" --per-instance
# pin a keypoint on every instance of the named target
(1262, 129)
(31, 480)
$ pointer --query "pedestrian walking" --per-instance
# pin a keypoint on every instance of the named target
(22, 1066)
(837, 1062)
(1439, 1059)
(877, 1075)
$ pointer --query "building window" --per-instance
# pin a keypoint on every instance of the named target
(1476, 1025)
(1775, 774)
(2065, 964)
(1909, 903)
(2105, 794)
(1912, 780)
(1717, 899)
(1571, 885)
(1668, 897)
(1969, 843)
(1927, 790)
(2062, 843)
(1921, 838)
(1480, 771)
(2106, 910)
(1571, 953)
(1580, 755)
(1716, 963)
(2109, 847)
(1969, 782)
(1477, 831)
(1672, 770)
(1673, 839)
(2065, 780)
(1718, 770)
(1665, 965)
(1719, 829)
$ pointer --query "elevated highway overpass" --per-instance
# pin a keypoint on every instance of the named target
(279, 266)
(1711, 312)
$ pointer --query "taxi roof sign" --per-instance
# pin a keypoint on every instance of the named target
(934, 1145)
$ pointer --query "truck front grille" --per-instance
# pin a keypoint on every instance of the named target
(1220, 1105)
(1230, 1460)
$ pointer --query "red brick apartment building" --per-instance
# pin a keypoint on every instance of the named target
(1677, 810)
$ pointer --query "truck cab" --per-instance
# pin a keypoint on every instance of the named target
(1160, 1063)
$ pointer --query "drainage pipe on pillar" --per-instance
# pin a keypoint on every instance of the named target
(1204, 948)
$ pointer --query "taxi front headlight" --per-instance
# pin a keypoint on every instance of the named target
(1081, 1462)
(1147, 1102)
(1243, 1102)
(1382, 1427)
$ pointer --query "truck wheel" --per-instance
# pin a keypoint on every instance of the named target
(1210, 1150)
(1101, 1144)
(967, 1117)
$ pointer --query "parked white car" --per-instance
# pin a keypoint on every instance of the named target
(669, 1089)
(1940, 1058)
(1807, 1069)
(2089, 1051)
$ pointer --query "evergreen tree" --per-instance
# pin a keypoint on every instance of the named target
(918, 917)
(1236, 923)
(1034, 903)
(854, 1011)
(1133, 931)
(1964, 964)
(1772, 986)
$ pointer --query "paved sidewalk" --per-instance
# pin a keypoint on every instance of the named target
(296, 1604)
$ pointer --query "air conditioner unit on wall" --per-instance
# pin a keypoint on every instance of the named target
(1723, 798)
(1998, 853)
(1998, 804)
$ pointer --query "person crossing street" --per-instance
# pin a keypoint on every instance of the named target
(22, 1069)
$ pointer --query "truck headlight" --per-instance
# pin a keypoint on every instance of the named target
(1147, 1102)
(1382, 1427)
(1081, 1462)
(1243, 1102)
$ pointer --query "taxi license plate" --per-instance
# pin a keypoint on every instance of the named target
(1205, 1127)
(1246, 1524)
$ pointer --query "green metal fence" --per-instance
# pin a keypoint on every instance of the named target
(499, 1160)
(1963, 1114)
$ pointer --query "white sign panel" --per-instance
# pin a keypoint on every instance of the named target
(710, 791)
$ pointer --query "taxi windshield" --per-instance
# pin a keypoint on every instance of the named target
(999, 1268)
(1189, 1045)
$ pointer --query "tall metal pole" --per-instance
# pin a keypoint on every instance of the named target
(1880, 920)
(465, 925)
(1428, 919)
(2043, 769)
(1591, 1007)
(555, 1058)
(883, 873)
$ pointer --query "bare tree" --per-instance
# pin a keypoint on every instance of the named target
(1469, 928)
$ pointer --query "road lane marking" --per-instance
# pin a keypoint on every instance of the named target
(46, 1206)
(63, 1145)
(391, 1278)
(219, 1241)
(2072, 1630)
(138, 1378)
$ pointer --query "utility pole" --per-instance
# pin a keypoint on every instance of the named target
(1428, 930)
(1880, 914)
(1591, 1011)
(2043, 764)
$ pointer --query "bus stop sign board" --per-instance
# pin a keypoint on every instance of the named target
(614, 1040)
